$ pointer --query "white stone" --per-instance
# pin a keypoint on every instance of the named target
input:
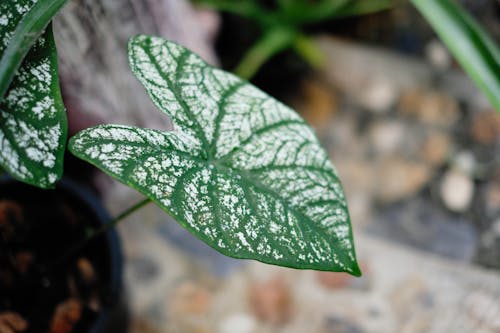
(438, 55)
(387, 136)
(379, 96)
(238, 323)
(465, 161)
(457, 190)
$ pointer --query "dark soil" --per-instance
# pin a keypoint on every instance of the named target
(51, 290)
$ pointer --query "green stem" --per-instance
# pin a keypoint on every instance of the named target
(27, 32)
(363, 7)
(307, 13)
(118, 219)
(272, 42)
(249, 9)
(96, 232)
(309, 51)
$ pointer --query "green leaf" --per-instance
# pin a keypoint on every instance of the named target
(468, 42)
(33, 125)
(21, 23)
(270, 43)
(363, 7)
(241, 171)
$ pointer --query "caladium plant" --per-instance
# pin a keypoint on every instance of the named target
(241, 171)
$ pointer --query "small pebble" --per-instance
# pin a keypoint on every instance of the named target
(66, 316)
(465, 162)
(86, 270)
(429, 107)
(379, 96)
(238, 323)
(11, 322)
(190, 298)
(438, 55)
(457, 190)
(271, 301)
(399, 178)
(334, 280)
(435, 148)
(386, 136)
(485, 127)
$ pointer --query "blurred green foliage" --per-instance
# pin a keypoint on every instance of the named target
(469, 43)
(282, 24)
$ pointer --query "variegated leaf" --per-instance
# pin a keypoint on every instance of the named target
(32, 115)
(241, 171)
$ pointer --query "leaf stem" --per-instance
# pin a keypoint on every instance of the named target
(309, 50)
(96, 232)
(119, 218)
(271, 43)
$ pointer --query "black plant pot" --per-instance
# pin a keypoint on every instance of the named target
(43, 262)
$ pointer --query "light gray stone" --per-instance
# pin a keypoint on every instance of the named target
(457, 190)
(238, 323)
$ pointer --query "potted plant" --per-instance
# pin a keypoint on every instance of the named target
(241, 171)
(48, 282)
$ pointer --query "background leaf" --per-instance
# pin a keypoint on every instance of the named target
(468, 42)
(241, 171)
(33, 125)
(363, 7)
(21, 23)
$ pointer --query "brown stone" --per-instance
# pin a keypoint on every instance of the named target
(11, 322)
(493, 196)
(409, 101)
(271, 301)
(334, 280)
(398, 178)
(435, 148)
(429, 107)
(318, 103)
(66, 316)
(485, 127)
(190, 298)
(86, 270)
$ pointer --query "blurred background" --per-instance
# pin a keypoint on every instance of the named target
(416, 145)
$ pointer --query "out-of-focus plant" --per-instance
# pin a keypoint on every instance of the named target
(469, 43)
(282, 22)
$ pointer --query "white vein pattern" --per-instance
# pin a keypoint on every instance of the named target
(11, 12)
(32, 119)
(241, 171)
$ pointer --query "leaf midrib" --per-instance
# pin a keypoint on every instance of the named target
(181, 60)
(216, 162)
(245, 176)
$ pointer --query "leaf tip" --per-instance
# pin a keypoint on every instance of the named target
(356, 271)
